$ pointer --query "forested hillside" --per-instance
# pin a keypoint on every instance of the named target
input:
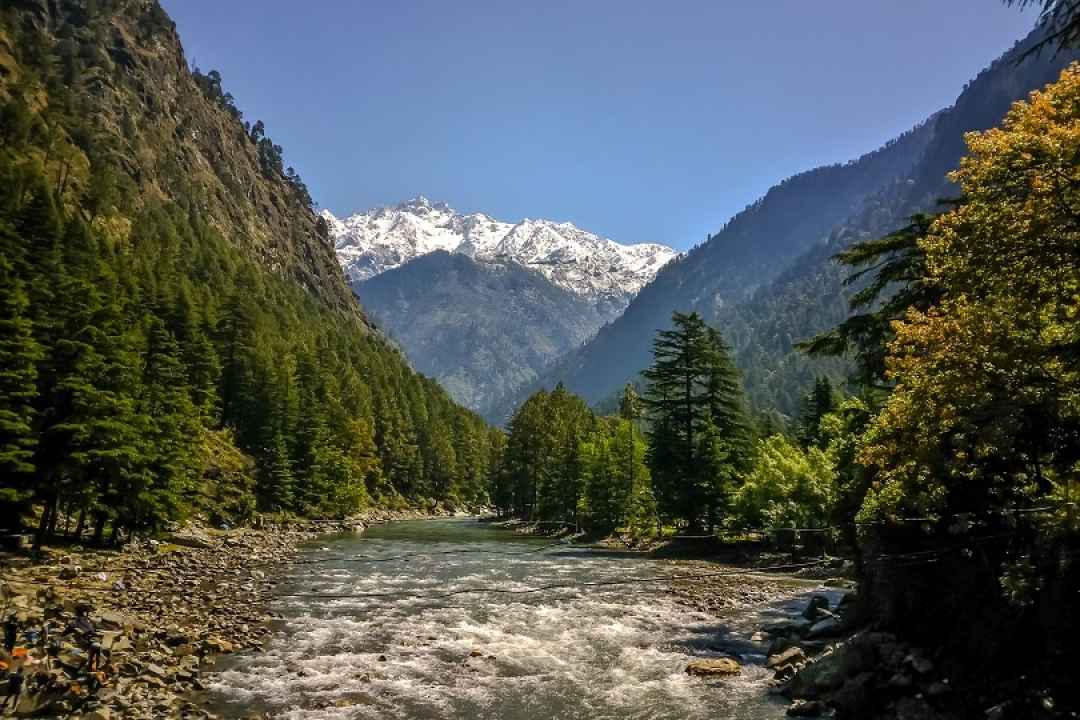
(479, 328)
(176, 336)
(811, 295)
(767, 279)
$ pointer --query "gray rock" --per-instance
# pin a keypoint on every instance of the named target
(919, 663)
(815, 606)
(191, 540)
(830, 671)
(113, 620)
(826, 627)
(791, 656)
(913, 708)
(854, 698)
(938, 689)
(70, 572)
(806, 708)
(792, 626)
(156, 670)
(900, 680)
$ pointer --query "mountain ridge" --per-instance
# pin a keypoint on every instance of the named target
(479, 329)
(778, 247)
(382, 238)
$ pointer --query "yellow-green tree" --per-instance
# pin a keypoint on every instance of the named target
(986, 410)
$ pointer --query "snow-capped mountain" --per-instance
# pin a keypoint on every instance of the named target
(378, 240)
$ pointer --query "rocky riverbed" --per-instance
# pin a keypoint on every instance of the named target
(135, 632)
(129, 633)
(718, 589)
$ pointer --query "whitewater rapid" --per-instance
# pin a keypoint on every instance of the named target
(598, 652)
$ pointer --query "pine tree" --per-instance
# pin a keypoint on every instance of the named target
(677, 408)
(699, 433)
(819, 402)
(174, 430)
(276, 487)
(19, 355)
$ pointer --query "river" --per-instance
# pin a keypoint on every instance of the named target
(599, 652)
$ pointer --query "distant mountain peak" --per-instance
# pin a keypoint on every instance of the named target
(383, 238)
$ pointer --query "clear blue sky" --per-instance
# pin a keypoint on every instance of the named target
(643, 121)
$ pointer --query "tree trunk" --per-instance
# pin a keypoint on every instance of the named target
(99, 529)
(80, 525)
(43, 526)
(52, 520)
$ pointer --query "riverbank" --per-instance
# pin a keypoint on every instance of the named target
(128, 632)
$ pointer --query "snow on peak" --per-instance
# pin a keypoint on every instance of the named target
(375, 241)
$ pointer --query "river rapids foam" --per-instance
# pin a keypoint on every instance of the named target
(598, 653)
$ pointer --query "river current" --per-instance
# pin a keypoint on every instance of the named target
(393, 650)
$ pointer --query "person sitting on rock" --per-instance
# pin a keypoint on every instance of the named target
(14, 689)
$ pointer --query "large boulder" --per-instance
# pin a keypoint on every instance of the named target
(716, 667)
(826, 627)
(854, 698)
(916, 708)
(788, 627)
(787, 658)
(807, 708)
(190, 538)
(830, 671)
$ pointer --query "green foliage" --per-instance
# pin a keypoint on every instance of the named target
(699, 431)
(152, 367)
(542, 477)
(960, 452)
(892, 271)
(984, 411)
(821, 401)
(788, 487)
(19, 357)
(618, 490)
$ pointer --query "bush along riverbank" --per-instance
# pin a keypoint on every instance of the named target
(99, 634)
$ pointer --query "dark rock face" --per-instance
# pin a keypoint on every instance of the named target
(176, 142)
(830, 671)
(868, 675)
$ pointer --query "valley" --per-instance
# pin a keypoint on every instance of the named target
(259, 460)
(509, 300)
